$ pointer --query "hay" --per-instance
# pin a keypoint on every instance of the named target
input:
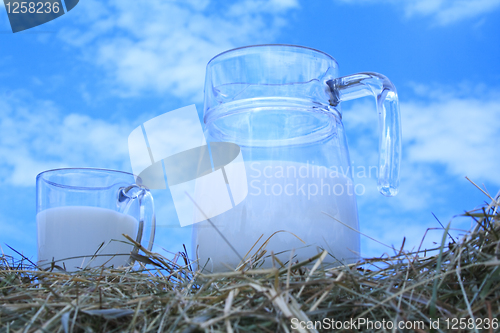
(459, 285)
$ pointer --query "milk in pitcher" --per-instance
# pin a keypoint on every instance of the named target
(308, 208)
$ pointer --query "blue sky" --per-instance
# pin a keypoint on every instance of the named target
(73, 89)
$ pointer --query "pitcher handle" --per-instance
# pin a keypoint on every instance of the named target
(364, 84)
(147, 218)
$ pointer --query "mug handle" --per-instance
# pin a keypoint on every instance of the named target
(147, 218)
(377, 85)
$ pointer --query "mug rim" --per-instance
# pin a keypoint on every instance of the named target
(289, 46)
(40, 177)
(82, 168)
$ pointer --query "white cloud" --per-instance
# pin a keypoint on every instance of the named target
(36, 136)
(442, 11)
(448, 133)
(164, 46)
(448, 128)
(460, 133)
(449, 11)
(246, 7)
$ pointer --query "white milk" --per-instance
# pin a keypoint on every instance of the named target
(76, 231)
(284, 196)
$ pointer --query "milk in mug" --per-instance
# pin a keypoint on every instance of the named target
(79, 231)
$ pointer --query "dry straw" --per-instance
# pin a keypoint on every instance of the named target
(459, 285)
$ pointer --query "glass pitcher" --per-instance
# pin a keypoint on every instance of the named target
(281, 105)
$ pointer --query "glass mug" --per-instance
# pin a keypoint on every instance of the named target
(281, 105)
(82, 214)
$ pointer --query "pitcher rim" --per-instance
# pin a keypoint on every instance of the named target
(291, 46)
